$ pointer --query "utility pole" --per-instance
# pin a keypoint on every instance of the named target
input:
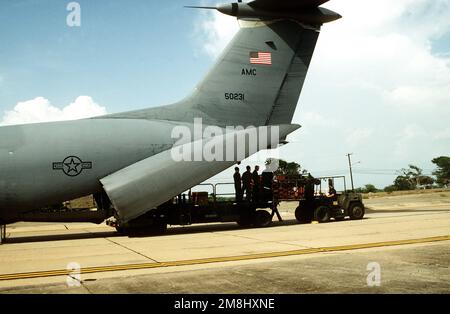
(351, 172)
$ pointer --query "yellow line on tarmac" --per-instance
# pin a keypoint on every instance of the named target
(90, 270)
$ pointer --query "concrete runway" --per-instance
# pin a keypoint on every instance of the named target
(408, 236)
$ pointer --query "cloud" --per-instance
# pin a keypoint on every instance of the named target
(407, 137)
(420, 97)
(311, 120)
(356, 137)
(40, 110)
(315, 119)
(376, 85)
(215, 31)
(391, 50)
(388, 51)
(442, 134)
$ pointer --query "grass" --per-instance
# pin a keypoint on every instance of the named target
(414, 192)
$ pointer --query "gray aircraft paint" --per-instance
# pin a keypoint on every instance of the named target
(114, 147)
(271, 95)
(27, 154)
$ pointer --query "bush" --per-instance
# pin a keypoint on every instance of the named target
(390, 189)
(368, 188)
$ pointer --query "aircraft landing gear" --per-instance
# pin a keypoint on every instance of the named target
(2, 233)
(147, 224)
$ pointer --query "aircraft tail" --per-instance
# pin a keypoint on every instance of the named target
(259, 77)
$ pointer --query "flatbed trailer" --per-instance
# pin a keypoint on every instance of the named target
(204, 207)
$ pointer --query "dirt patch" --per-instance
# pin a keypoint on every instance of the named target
(446, 193)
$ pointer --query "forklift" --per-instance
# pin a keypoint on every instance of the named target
(316, 205)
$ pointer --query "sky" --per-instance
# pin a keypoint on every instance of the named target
(378, 85)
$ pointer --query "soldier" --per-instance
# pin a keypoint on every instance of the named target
(256, 184)
(247, 183)
(309, 189)
(331, 190)
(267, 182)
(237, 184)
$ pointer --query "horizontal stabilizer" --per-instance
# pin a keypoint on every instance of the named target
(276, 4)
(153, 181)
(307, 11)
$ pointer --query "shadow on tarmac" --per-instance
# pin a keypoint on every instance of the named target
(179, 230)
(61, 237)
(382, 211)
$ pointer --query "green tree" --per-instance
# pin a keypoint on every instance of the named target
(370, 188)
(412, 174)
(426, 180)
(404, 183)
(411, 178)
(286, 168)
(442, 172)
(390, 189)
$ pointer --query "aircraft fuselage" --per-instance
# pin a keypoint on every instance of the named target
(48, 163)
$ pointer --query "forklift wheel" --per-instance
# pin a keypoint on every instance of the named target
(262, 219)
(245, 221)
(303, 215)
(356, 211)
(158, 228)
(322, 214)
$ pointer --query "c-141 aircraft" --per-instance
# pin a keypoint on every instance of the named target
(125, 160)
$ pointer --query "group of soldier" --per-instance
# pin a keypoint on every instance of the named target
(252, 184)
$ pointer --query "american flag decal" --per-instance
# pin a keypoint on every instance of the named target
(261, 58)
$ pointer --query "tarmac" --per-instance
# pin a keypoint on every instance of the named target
(402, 246)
